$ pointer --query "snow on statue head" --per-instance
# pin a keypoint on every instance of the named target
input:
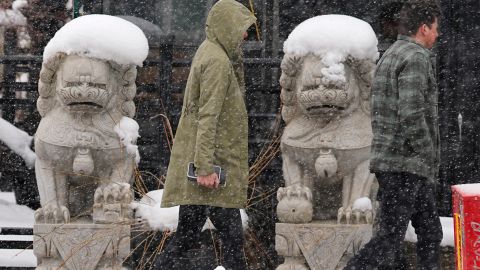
(86, 87)
(326, 75)
(326, 59)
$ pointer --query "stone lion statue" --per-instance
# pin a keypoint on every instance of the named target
(81, 162)
(327, 139)
(326, 142)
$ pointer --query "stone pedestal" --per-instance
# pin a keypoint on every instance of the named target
(322, 245)
(81, 246)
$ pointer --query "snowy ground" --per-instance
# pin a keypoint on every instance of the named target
(448, 237)
(13, 215)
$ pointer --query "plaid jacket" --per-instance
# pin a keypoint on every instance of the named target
(404, 111)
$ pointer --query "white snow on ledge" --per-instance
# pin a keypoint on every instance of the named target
(13, 215)
(163, 219)
(363, 204)
(18, 141)
(17, 258)
(448, 232)
(127, 130)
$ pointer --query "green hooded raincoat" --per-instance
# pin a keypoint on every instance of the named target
(213, 128)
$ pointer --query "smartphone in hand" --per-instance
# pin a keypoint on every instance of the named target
(192, 174)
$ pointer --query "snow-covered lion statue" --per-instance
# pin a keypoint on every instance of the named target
(326, 75)
(85, 143)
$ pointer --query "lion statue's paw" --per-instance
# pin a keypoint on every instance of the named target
(52, 214)
(367, 215)
(294, 204)
(113, 193)
(360, 212)
(112, 203)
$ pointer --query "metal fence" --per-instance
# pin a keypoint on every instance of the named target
(11, 239)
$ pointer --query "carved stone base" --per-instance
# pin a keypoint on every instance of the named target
(81, 246)
(322, 245)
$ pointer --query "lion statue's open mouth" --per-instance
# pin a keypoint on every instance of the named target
(324, 109)
(86, 105)
(85, 96)
(320, 101)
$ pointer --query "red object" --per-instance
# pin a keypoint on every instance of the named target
(466, 215)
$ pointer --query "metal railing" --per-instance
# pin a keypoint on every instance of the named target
(10, 238)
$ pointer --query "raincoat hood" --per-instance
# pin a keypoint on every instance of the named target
(226, 23)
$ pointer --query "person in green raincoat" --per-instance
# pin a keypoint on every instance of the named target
(213, 130)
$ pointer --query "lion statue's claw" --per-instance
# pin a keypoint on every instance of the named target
(340, 214)
(345, 213)
(369, 217)
(348, 215)
(356, 216)
(52, 214)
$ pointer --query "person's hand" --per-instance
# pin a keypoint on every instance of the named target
(208, 181)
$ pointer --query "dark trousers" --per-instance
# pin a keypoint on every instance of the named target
(402, 197)
(191, 219)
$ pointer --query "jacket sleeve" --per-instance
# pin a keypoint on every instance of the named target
(214, 84)
(412, 86)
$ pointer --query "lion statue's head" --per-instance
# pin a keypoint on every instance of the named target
(85, 84)
(327, 71)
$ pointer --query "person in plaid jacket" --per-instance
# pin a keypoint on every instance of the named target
(405, 148)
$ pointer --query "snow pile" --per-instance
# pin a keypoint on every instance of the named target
(17, 258)
(163, 219)
(17, 140)
(448, 232)
(363, 204)
(14, 215)
(19, 216)
(102, 37)
(127, 130)
(13, 17)
(334, 38)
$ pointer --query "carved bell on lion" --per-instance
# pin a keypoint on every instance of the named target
(83, 162)
(326, 164)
